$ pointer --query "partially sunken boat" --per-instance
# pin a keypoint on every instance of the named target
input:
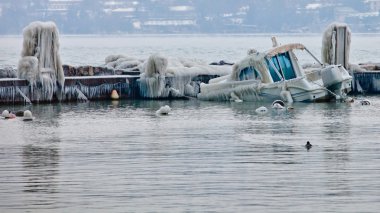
(277, 74)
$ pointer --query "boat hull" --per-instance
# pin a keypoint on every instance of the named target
(300, 90)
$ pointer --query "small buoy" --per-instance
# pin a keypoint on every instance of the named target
(20, 113)
(308, 145)
(8, 115)
(114, 95)
(349, 100)
(27, 116)
(164, 110)
(261, 110)
(5, 113)
(365, 102)
(278, 104)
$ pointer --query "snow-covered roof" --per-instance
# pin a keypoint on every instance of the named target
(285, 48)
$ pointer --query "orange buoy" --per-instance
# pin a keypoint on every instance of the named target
(114, 95)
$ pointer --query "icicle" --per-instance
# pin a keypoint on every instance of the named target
(26, 99)
(81, 96)
(7, 94)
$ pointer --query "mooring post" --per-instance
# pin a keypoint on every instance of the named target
(336, 45)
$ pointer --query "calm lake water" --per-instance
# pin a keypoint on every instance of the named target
(203, 157)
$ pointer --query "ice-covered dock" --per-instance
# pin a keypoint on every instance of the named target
(367, 82)
(84, 88)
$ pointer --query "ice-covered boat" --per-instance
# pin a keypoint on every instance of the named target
(277, 74)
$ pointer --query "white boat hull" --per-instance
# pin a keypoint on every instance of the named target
(300, 89)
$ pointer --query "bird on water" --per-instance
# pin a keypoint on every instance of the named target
(308, 145)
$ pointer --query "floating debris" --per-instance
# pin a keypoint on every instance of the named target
(164, 110)
(261, 110)
(290, 108)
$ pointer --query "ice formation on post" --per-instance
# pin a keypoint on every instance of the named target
(152, 80)
(336, 44)
(40, 61)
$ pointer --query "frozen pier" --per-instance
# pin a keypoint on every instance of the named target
(367, 82)
(84, 88)
(79, 88)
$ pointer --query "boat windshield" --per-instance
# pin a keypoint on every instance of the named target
(283, 65)
(249, 73)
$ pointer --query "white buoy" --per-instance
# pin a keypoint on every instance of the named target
(278, 104)
(261, 110)
(164, 110)
(27, 116)
(8, 115)
(5, 113)
(365, 102)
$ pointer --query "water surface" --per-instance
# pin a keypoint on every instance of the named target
(204, 156)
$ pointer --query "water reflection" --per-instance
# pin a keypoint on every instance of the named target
(41, 168)
(40, 152)
(336, 123)
(92, 156)
(336, 129)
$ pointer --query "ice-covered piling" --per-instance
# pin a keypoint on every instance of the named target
(152, 79)
(336, 44)
(40, 62)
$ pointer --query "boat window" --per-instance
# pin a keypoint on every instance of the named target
(272, 71)
(249, 73)
(284, 66)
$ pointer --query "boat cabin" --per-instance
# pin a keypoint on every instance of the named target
(277, 64)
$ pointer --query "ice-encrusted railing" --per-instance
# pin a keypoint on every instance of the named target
(83, 92)
(11, 94)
